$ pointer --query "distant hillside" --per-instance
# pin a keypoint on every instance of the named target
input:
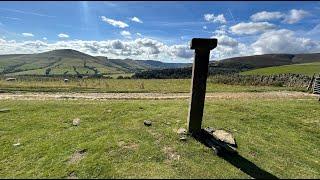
(304, 68)
(72, 62)
(235, 65)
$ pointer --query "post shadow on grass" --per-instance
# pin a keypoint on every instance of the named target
(233, 158)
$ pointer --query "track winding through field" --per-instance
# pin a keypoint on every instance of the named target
(108, 96)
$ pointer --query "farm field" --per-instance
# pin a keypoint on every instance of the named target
(125, 86)
(278, 135)
(305, 68)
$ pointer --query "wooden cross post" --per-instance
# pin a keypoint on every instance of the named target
(199, 80)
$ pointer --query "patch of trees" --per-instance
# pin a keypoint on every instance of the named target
(48, 70)
(215, 68)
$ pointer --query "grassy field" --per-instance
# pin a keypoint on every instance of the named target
(280, 136)
(124, 85)
(306, 68)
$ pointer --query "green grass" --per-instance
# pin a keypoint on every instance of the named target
(306, 68)
(125, 85)
(280, 136)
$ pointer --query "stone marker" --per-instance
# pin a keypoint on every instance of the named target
(199, 79)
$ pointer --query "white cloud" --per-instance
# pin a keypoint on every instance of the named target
(224, 40)
(27, 35)
(44, 38)
(141, 48)
(204, 27)
(273, 41)
(139, 34)
(295, 16)
(221, 30)
(251, 27)
(212, 18)
(266, 16)
(135, 19)
(126, 34)
(284, 41)
(114, 23)
(182, 51)
(62, 35)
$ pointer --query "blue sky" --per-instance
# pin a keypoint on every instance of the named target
(159, 30)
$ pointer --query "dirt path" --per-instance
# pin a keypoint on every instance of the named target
(106, 96)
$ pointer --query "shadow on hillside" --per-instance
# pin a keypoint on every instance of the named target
(236, 160)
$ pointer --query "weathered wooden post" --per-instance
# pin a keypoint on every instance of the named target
(199, 80)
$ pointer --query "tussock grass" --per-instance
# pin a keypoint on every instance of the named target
(280, 136)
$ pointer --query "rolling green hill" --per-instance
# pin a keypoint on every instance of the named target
(305, 68)
(72, 62)
(241, 65)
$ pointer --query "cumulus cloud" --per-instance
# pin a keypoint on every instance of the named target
(266, 16)
(135, 19)
(212, 18)
(204, 27)
(295, 16)
(27, 35)
(44, 38)
(284, 41)
(182, 51)
(141, 48)
(126, 34)
(221, 30)
(139, 34)
(62, 35)
(251, 28)
(224, 40)
(114, 23)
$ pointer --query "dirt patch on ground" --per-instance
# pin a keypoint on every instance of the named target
(171, 154)
(107, 96)
(77, 156)
(131, 146)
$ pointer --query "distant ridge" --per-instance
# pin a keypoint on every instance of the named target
(73, 62)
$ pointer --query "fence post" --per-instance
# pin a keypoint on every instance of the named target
(202, 49)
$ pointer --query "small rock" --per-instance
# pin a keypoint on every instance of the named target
(4, 110)
(17, 144)
(210, 129)
(109, 111)
(183, 138)
(66, 80)
(182, 131)
(147, 123)
(76, 122)
(224, 136)
(11, 79)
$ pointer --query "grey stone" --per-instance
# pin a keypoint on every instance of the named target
(76, 122)
(11, 79)
(182, 131)
(147, 123)
(4, 110)
(224, 136)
